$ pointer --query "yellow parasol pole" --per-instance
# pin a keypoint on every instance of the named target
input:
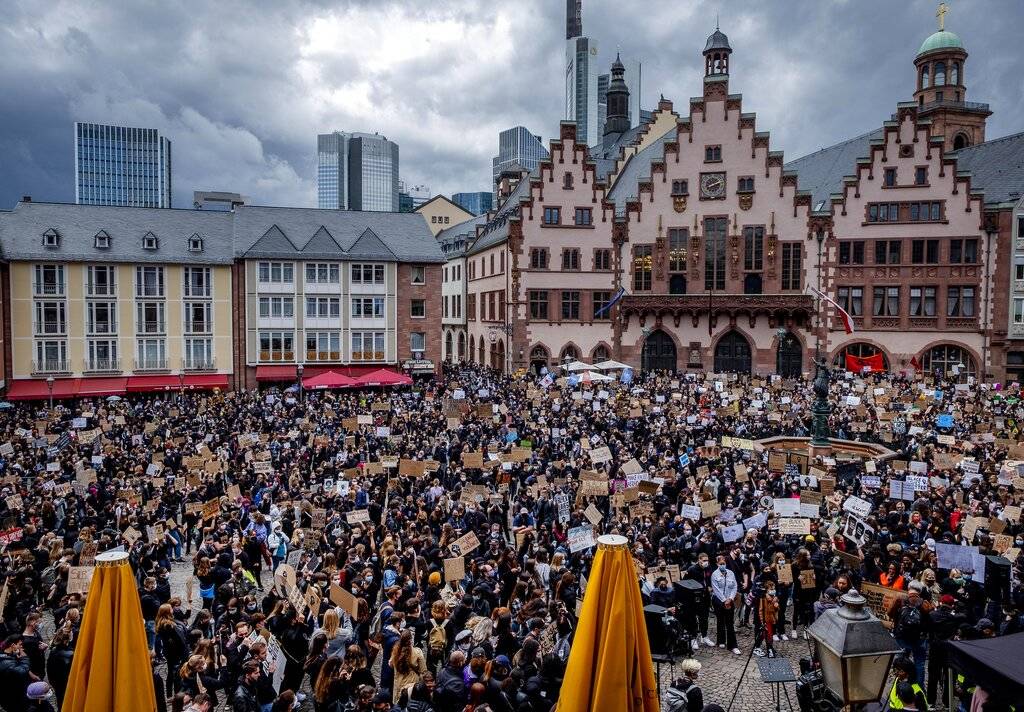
(610, 664)
(110, 670)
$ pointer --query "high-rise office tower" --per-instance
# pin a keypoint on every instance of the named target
(580, 77)
(357, 171)
(517, 147)
(477, 203)
(122, 165)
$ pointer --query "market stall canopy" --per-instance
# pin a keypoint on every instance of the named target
(329, 379)
(577, 366)
(611, 366)
(384, 377)
(994, 663)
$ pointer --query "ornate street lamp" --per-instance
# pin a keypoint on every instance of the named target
(49, 387)
(820, 409)
(855, 651)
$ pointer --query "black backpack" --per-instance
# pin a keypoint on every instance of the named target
(908, 624)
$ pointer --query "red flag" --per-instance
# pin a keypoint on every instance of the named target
(862, 364)
(840, 312)
(915, 364)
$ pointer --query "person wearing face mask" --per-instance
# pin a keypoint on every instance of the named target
(723, 597)
(701, 573)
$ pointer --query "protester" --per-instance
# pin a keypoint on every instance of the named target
(329, 532)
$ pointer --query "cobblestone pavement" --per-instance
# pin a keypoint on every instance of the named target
(719, 676)
(721, 671)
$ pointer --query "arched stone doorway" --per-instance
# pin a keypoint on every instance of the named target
(659, 352)
(732, 354)
(462, 346)
(498, 356)
(539, 358)
(449, 347)
(790, 359)
(949, 361)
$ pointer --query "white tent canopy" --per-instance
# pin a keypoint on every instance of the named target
(611, 366)
(594, 377)
(577, 366)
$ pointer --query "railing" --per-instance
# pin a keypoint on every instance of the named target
(198, 364)
(277, 355)
(323, 355)
(99, 365)
(151, 364)
(718, 302)
(51, 366)
(152, 327)
(1017, 330)
(953, 104)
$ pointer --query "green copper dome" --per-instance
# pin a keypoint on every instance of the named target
(942, 39)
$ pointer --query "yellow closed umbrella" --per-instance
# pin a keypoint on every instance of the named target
(110, 671)
(610, 664)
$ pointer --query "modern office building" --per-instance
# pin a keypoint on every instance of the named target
(517, 147)
(122, 165)
(580, 77)
(477, 203)
(357, 171)
(411, 197)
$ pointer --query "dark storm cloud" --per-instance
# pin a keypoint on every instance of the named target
(242, 88)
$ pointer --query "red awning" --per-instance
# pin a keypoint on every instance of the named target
(276, 373)
(36, 389)
(384, 377)
(146, 384)
(330, 379)
(207, 381)
(96, 387)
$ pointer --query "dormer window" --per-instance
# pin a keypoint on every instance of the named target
(195, 244)
(51, 238)
(102, 240)
(149, 241)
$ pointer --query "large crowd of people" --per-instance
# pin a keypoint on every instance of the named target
(427, 549)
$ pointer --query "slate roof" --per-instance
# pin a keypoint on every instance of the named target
(821, 173)
(996, 167)
(246, 232)
(311, 233)
(21, 233)
(496, 229)
(605, 155)
(637, 168)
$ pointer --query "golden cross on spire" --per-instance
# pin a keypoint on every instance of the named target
(941, 14)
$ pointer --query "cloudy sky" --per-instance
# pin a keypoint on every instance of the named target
(242, 88)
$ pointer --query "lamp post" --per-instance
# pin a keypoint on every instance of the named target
(298, 371)
(49, 387)
(820, 409)
(855, 651)
(181, 387)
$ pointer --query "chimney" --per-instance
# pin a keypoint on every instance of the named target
(26, 198)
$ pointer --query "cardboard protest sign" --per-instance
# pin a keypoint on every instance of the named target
(581, 538)
(79, 578)
(455, 569)
(464, 544)
(357, 516)
(600, 455)
(794, 525)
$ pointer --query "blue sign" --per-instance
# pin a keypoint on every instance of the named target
(945, 420)
(684, 460)
(627, 376)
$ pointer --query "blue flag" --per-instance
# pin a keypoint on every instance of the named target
(684, 460)
(627, 376)
(945, 420)
(573, 379)
(619, 294)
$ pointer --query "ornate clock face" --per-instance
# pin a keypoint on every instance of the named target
(712, 185)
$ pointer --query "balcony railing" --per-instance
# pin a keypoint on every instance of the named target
(152, 327)
(717, 302)
(151, 364)
(1017, 331)
(51, 366)
(953, 104)
(103, 365)
(323, 355)
(277, 356)
(198, 364)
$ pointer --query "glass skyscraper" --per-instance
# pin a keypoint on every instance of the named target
(122, 165)
(477, 203)
(517, 146)
(357, 171)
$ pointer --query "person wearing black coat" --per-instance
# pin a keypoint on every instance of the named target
(58, 665)
(244, 697)
(15, 675)
(542, 689)
(450, 690)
